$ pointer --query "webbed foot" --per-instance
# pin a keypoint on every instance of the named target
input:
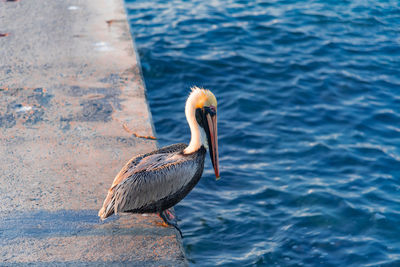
(169, 218)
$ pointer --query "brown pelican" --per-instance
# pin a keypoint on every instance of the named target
(156, 181)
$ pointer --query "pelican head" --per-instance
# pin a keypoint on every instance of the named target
(201, 114)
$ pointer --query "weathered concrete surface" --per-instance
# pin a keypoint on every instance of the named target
(70, 94)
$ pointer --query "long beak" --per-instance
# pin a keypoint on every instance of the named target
(212, 137)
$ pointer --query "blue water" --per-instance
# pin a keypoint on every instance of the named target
(309, 126)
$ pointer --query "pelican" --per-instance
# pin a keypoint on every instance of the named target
(156, 181)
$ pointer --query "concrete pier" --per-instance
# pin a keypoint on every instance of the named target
(71, 97)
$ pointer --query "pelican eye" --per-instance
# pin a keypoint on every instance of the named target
(214, 109)
(210, 110)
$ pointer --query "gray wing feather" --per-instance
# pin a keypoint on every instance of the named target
(155, 177)
(127, 171)
(131, 165)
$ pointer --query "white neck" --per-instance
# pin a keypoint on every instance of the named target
(198, 136)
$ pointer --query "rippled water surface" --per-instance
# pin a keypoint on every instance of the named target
(309, 126)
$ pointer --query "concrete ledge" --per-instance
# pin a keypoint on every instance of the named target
(71, 94)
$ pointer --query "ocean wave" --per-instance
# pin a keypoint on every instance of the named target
(308, 112)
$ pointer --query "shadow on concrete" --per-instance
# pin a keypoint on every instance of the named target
(64, 223)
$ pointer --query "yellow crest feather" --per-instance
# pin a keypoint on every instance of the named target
(205, 98)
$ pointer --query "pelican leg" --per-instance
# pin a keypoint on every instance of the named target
(170, 219)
